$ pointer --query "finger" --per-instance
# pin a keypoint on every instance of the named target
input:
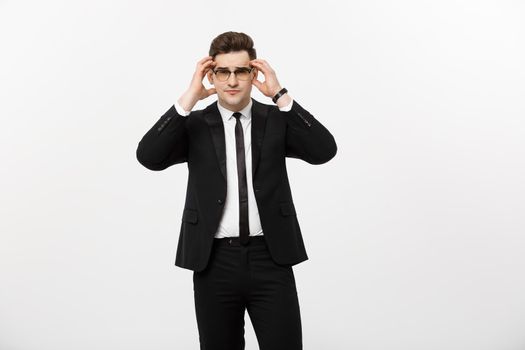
(260, 67)
(207, 66)
(260, 61)
(204, 59)
(211, 91)
(207, 63)
(203, 64)
(257, 84)
(266, 65)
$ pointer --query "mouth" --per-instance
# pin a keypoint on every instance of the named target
(232, 92)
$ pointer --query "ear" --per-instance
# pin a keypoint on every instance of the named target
(255, 74)
(210, 77)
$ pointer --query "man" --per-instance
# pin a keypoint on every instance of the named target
(239, 232)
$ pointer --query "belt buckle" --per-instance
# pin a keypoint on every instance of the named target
(234, 241)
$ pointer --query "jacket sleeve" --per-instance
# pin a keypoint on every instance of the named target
(166, 143)
(307, 138)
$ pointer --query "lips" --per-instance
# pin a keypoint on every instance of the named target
(232, 92)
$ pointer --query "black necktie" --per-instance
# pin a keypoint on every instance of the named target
(244, 227)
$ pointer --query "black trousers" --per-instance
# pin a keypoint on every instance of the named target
(245, 277)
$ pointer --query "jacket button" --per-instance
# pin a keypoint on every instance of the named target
(219, 201)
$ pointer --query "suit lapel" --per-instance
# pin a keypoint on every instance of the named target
(259, 115)
(214, 120)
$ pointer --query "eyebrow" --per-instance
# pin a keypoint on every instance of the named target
(235, 67)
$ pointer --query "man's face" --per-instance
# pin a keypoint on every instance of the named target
(233, 94)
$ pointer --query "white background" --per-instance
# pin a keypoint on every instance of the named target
(415, 230)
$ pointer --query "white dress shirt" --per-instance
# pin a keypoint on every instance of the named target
(229, 224)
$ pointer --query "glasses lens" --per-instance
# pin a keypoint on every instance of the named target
(222, 75)
(242, 74)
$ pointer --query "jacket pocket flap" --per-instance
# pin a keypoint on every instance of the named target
(189, 215)
(287, 209)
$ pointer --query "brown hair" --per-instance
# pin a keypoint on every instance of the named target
(231, 42)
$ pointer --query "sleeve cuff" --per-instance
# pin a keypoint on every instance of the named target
(287, 108)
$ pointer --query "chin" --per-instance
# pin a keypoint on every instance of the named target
(233, 100)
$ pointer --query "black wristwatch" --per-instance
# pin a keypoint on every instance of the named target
(279, 94)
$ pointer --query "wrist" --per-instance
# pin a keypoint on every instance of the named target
(278, 94)
(186, 101)
(283, 101)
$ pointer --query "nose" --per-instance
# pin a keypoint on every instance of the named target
(232, 80)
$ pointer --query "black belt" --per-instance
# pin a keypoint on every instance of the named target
(235, 241)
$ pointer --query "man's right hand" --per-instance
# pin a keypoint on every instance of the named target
(197, 91)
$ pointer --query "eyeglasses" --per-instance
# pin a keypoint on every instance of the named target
(241, 74)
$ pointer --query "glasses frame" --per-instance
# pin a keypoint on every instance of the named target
(234, 72)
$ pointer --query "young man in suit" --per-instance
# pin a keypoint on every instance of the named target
(239, 231)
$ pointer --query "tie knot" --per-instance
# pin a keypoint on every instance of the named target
(237, 115)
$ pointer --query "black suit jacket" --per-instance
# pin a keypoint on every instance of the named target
(199, 140)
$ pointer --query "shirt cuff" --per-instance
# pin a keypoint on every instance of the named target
(287, 108)
(180, 110)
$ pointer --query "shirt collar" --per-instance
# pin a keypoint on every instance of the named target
(226, 114)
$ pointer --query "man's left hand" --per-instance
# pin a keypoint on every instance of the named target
(270, 87)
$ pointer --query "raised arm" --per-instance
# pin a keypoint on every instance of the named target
(166, 143)
(306, 137)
